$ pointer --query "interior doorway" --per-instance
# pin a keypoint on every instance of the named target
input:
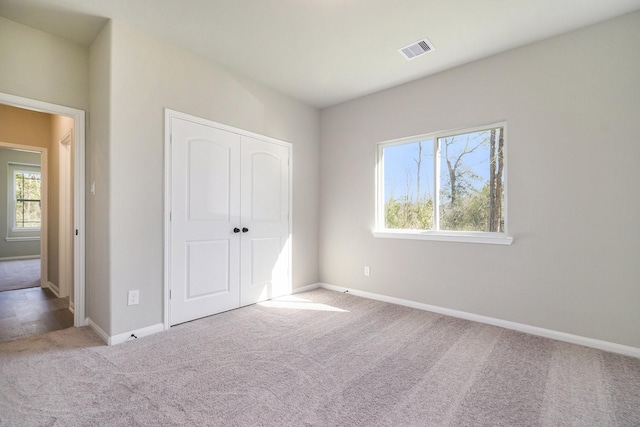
(23, 202)
(68, 256)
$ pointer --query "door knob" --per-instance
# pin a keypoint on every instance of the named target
(245, 229)
(236, 230)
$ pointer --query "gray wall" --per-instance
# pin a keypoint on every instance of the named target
(572, 106)
(10, 249)
(97, 288)
(40, 66)
(125, 96)
(148, 75)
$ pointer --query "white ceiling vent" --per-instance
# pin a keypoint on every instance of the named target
(416, 49)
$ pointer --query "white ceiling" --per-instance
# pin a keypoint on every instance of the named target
(324, 52)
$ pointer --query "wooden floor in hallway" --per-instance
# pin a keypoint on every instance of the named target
(32, 311)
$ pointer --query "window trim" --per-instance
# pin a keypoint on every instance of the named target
(446, 236)
(485, 237)
(13, 169)
(21, 239)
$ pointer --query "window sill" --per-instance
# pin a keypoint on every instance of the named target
(22, 239)
(462, 237)
(25, 230)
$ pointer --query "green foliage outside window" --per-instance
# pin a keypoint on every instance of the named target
(27, 191)
(468, 191)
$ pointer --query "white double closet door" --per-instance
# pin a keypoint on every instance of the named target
(229, 221)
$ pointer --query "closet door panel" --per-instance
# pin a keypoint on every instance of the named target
(265, 246)
(205, 209)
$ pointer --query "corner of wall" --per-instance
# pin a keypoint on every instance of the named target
(98, 292)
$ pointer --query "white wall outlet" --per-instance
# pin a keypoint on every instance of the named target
(134, 297)
(367, 271)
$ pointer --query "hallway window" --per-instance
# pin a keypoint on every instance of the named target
(26, 200)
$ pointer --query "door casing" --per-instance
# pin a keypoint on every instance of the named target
(78, 116)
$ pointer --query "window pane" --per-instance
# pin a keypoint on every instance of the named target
(27, 189)
(408, 185)
(471, 181)
(28, 185)
(28, 214)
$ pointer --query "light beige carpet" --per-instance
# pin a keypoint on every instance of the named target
(320, 358)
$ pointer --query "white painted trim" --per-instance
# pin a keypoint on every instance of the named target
(528, 329)
(17, 258)
(168, 114)
(120, 338)
(54, 288)
(23, 239)
(79, 219)
(78, 117)
(489, 238)
(25, 230)
(98, 330)
(65, 214)
(306, 288)
(167, 219)
(13, 168)
(139, 333)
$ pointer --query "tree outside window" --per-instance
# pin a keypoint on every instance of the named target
(445, 182)
(27, 199)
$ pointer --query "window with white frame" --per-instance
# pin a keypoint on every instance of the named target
(444, 186)
(24, 197)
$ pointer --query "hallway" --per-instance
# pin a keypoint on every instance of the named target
(32, 311)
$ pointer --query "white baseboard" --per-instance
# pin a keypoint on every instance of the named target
(533, 330)
(98, 330)
(306, 288)
(18, 258)
(127, 336)
(54, 288)
(138, 333)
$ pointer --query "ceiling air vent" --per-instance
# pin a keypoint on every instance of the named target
(416, 49)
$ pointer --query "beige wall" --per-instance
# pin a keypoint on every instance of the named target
(24, 127)
(31, 128)
(572, 109)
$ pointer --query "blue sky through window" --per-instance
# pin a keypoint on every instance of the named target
(400, 167)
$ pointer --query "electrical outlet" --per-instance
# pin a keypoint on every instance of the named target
(134, 297)
(367, 271)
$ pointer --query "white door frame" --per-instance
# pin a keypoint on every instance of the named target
(65, 215)
(78, 117)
